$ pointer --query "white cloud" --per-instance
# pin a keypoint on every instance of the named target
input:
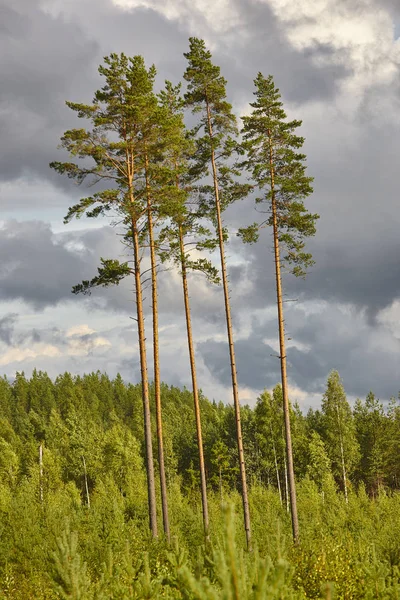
(15, 355)
(390, 318)
(305, 399)
(79, 330)
(362, 34)
(84, 347)
(218, 15)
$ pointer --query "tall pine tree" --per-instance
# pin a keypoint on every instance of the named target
(185, 230)
(206, 96)
(115, 151)
(279, 173)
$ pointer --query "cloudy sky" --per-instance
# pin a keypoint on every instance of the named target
(336, 63)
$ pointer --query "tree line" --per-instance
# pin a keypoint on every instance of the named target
(168, 185)
(78, 418)
(73, 494)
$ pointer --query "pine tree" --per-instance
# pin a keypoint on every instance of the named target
(279, 173)
(339, 430)
(70, 573)
(238, 577)
(206, 95)
(183, 231)
(120, 116)
(157, 141)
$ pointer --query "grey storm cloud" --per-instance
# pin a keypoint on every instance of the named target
(266, 49)
(40, 58)
(46, 59)
(7, 324)
(10, 337)
(333, 338)
(257, 364)
(342, 273)
(49, 53)
(41, 267)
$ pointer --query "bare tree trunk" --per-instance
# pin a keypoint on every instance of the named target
(86, 482)
(344, 471)
(245, 499)
(41, 473)
(287, 486)
(282, 348)
(194, 385)
(276, 466)
(145, 384)
(156, 354)
(151, 493)
(342, 455)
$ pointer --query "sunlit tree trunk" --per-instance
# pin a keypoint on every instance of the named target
(194, 384)
(156, 355)
(145, 384)
(282, 353)
(278, 481)
(342, 458)
(41, 472)
(86, 482)
(239, 439)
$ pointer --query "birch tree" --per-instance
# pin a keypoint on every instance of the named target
(339, 431)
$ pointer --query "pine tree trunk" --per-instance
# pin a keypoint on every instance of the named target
(194, 385)
(245, 499)
(145, 385)
(86, 482)
(41, 473)
(156, 354)
(282, 348)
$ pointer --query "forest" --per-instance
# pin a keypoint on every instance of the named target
(112, 489)
(73, 495)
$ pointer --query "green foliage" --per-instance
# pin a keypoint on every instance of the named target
(121, 148)
(70, 573)
(371, 434)
(236, 576)
(278, 170)
(214, 132)
(319, 466)
(351, 549)
(184, 232)
(110, 273)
